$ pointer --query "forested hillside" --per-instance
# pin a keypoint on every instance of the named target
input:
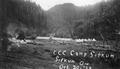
(100, 21)
(22, 15)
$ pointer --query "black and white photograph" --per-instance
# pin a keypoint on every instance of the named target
(59, 34)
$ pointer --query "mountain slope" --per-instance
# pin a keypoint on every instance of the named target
(63, 18)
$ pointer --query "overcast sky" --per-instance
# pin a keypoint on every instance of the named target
(47, 4)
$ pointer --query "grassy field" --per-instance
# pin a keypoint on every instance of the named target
(40, 56)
